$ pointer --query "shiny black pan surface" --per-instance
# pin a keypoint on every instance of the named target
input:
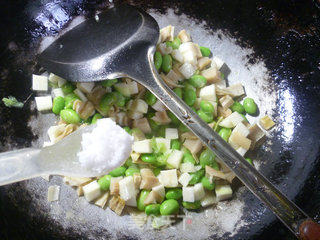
(283, 34)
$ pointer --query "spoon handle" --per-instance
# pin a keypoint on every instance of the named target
(290, 214)
(18, 165)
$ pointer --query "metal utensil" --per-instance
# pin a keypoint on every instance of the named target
(121, 43)
(58, 159)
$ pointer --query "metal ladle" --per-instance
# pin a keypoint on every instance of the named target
(121, 43)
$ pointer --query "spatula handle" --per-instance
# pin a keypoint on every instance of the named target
(18, 165)
(290, 214)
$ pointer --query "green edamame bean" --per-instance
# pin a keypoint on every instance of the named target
(128, 130)
(70, 116)
(169, 207)
(166, 65)
(120, 99)
(207, 107)
(196, 176)
(67, 88)
(237, 107)
(189, 96)
(187, 157)
(150, 98)
(109, 82)
(153, 209)
(205, 51)
(176, 43)
(157, 60)
(161, 160)
(173, 118)
(96, 117)
(149, 158)
(161, 132)
(153, 125)
(249, 160)
(140, 201)
(250, 106)
(197, 81)
(207, 184)
(156, 171)
(107, 100)
(131, 170)
(225, 133)
(207, 157)
(207, 117)
(174, 193)
(58, 104)
(69, 99)
(104, 182)
(175, 144)
(191, 205)
(178, 91)
(117, 172)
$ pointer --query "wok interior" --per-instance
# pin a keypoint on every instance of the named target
(267, 60)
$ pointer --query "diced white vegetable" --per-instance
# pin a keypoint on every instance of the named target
(241, 129)
(165, 141)
(193, 145)
(235, 90)
(209, 199)
(143, 146)
(57, 92)
(158, 106)
(203, 62)
(126, 188)
(172, 133)
(256, 135)
(223, 192)
(132, 202)
(102, 201)
(212, 74)
(127, 89)
(242, 151)
(80, 94)
(92, 191)
(139, 105)
(266, 122)
(208, 93)
(166, 33)
(184, 179)
(134, 115)
(190, 52)
(176, 54)
(61, 82)
(164, 49)
(184, 36)
(53, 193)
(174, 76)
(159, 190)
(44, 103)
(187, 167)
(86, 86)
(219, 63)
(168, 178)
(39, 83)
(221, 84)
(199, 192)
(175, 158)
(190, 57)
(142, 124)
(188, 194)
(236, 140)
(55, 79)
(135, 156)
(226, 101)
(76, 181)
(232, 120)
(187, 70)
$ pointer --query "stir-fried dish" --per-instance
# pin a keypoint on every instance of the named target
(169, 169)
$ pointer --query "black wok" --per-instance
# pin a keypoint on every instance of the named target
(277, 41)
